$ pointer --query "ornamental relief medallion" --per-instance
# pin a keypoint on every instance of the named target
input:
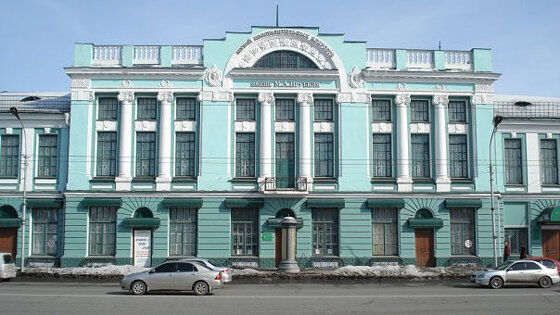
(355, 78)
(213, 76)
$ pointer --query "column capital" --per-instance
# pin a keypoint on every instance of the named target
(441, 99)
(266, 97)
(126, 96)
(403, 99)
(305, 98)
(165, 96)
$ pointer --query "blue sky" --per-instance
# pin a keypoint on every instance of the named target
(37, 35)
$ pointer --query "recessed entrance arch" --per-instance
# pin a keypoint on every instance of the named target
(142, 223)
(424, 239)
(9, 224)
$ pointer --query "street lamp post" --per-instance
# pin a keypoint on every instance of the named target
(15, 113)
(496, 121)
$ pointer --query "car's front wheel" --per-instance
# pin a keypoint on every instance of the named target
(496, 282)
(138, 287)
(545, 282)
(201, 288)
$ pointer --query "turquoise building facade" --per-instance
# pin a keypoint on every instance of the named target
(381, 155)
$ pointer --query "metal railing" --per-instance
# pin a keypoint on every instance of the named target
(285, 183)
(527, 110)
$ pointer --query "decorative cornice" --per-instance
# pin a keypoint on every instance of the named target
(484, 88)
(479, 77)
(213, 76)
(402, 99)
(266, 97)
(80, 83)
(215, 96)
(441, 99)
(305, 98)
(165, 96)
(126, 96)
(352, 98)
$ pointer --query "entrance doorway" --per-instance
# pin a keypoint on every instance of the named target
(277, 247)
(142, 247)
(551, 244)
(424, 247)
(8, 241)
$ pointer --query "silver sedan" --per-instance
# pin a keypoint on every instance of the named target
(226, 272)
(518, 272)
(175, 275)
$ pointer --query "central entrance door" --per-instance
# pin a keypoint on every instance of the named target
(551, 244)
(424, 247)
(8, 241)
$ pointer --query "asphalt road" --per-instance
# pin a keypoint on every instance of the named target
(380, 297)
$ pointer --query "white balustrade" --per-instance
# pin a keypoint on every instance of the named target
(419, 59)
(458, 60)
(146, 55)
(380, 58)
(186, 55)
(106, 55)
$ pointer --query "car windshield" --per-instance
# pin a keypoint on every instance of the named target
(215, 264)
(504, 265)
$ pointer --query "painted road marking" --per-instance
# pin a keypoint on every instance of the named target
(422, 296)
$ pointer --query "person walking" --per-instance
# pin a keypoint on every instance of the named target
(507, 250)
(522, 251)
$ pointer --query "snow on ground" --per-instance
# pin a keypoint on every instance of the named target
(99, 271)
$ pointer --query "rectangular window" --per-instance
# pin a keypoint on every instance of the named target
(382, 160)
(9, 162)
(420, 156)
(182, 231)
(323, 109)
(549, 162)
(147, 108)
(106, 153)
(245, 231)
(419, 111)
(186, 108)
(514, 162)
(107, 108)
(385, 231)
(325, 232)
(324, 155)
(48, 156)
(516, 237)
(285, 108)
(45, 228)
(462, 230)
(245, 155)
(285, 160)
(146, 154)
(381, 110)
(457, 111)
(185, 152)
(245, 109)
(102, 231)
(458, 156)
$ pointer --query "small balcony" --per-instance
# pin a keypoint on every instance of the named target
(288, 184)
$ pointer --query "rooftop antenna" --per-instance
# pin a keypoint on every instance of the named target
(439, 45)
(276, 15)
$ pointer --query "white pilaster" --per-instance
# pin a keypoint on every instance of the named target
(305, 100)
(443, 183)
(266, 99)
(163, 180)
(404, 181)
(125, 141)
(533, 163)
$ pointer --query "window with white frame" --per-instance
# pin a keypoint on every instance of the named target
(182, 231)
(106, 153)
(419, 111)
(145, 154)
(325, 232)
(324, 155)
(245, 231)
(45, 231)
(107, 108)
(513, 161)
(102, 231)
(47, 156)
(382, 155)
(381, 110)
(245, 109)
(549, 162)
(462, 230)
(385, 231)
(285, 109)
(245, 155)
(185, 151)
(186, 108)
(9, 159)
(458, 156)
(323, 109)
(147, 108)
(457, 111)
(420, 149)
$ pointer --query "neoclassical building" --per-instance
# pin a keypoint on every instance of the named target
(381, 155)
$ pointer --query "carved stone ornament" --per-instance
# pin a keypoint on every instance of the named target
(403, 99)
(126, 96)
(266, 97)
(355, 78)
(481, 99)
(441, 99)
(305, 98)
(80, 83)
(439, 87)
(91, 96)
(213, 76)
(401, 86)
(484, 87)
(165, 83)
(165, 96)
(126, 83)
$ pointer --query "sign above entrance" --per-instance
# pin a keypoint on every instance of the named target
(284, 84)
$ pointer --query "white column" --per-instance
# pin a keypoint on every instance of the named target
(125, 141)
(163, 180)
(266, 99)
(443, 183)
(404, 181)
(305, 100)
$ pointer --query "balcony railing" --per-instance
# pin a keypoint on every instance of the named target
(416, 59)
(146, 55)
(107, 55)
(458, 60)
(419, 59)
(380, 58)
(285, 184)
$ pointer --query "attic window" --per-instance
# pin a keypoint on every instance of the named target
(522, 103)
(30, 99)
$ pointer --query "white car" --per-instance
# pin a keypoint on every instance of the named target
(7, 266)
(226, 272)
(518, 272)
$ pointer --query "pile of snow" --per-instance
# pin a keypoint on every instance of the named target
(247, 272)
(95, 271)
(408, 271)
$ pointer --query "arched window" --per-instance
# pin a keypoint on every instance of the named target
(8, 212)
(285, 59)
(424, 214)
(282, 213)
(143, 213)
